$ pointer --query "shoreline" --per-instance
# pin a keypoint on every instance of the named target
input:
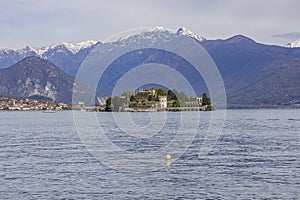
(228, 108)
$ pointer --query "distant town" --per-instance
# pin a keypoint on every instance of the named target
(26, 104)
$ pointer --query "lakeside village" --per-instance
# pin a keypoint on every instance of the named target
(27, 104)
(148, 100)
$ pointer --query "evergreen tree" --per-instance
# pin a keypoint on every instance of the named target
(171, 95)
(150, 98)
(132, 98)
(205, 100)
(176, 103)
(109, 106)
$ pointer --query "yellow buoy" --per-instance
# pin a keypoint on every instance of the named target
(168, 157)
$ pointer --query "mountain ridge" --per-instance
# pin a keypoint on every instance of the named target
(35, 76)
(294, 44)
(65, 55)
(253, 73)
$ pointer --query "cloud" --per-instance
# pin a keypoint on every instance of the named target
(38, 23)
(290, 36)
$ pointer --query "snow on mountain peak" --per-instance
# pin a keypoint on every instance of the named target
(5, 51)
(157, 29)
(294, 44)
(87, 43)
(74, 48)
(185, 31)
(26, 50)
(154, 34)
(144, 32)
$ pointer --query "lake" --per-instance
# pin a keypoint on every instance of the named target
(42, 156)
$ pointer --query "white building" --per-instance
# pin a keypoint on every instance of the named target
(199, 100)
(163, 102)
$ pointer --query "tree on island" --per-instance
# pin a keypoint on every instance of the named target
(205, 100)
(161, 92)
(176, 103)
(148, 98)
(109, 105)
(128, 94)
(115, 103)
(172, 94)
(133, 99)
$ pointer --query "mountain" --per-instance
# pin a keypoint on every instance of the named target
(34, 76)
(257, 74)
(254, 74)
(185, 31)
(294, 44)
(66, 56)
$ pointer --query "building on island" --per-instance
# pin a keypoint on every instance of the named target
(199, 100)
(163, 102)
(157, 99)
(147, 91)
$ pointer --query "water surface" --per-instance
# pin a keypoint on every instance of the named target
(256, 157)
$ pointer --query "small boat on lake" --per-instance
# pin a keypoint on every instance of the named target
(48, 111)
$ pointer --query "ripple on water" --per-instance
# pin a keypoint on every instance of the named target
(42, 157)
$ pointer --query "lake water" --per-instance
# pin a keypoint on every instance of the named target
(256, 157)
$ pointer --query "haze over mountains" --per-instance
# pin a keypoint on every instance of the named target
(253, 73)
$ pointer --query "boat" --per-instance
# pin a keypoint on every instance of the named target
(48, 111)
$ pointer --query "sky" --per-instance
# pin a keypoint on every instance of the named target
(40, 23)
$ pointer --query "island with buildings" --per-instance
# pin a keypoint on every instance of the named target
(157, 99)
(142, 100)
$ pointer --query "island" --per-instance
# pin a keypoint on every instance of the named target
(157, 99)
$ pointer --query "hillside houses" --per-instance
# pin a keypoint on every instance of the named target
(26, 104)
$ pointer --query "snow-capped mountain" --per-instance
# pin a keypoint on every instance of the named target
(65, 55)
(74, 48)
(27, 51)
(69, 56)
(149, 33)
(157, 33)
(295, 44)
(184, 31)
(60, 47)
(250, 70)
